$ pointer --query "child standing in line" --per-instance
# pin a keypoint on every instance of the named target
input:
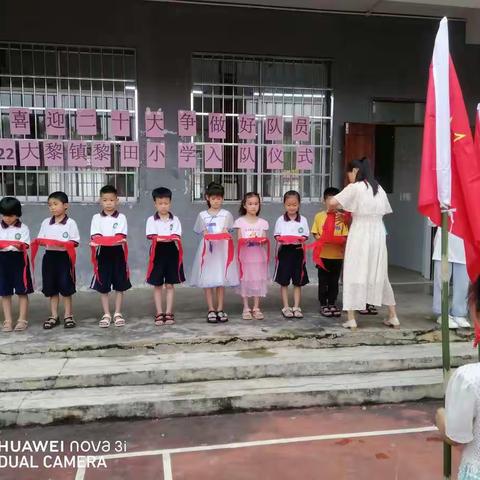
(166, 269)
(108, 233)
(332, 257)
(58, 272)
(15, 277)
(291, 231)
(213, 267)
(252, 256)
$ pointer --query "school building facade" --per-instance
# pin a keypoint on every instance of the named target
(358, 70)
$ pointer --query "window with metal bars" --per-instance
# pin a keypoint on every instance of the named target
(70, 77)
(263, 86)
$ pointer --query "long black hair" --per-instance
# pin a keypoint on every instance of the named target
(364, 173)
(242, 210)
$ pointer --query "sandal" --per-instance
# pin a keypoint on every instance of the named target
(222, 317)
(69, 322)
(169, 319)
(326, 312)
(351, 324)
(212, 317)
(105, 321)
(258, 314)
(369, 310)
(50, 323)
(297, 312)
(7, 326)
(287, 312)
(21, 325)
(118, 320)
(247, 314)
(336, 312)
(392, 322)
(159, 319)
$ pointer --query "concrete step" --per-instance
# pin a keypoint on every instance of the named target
(56, 373)
(155, 401)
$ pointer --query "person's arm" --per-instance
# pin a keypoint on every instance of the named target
(440, 423)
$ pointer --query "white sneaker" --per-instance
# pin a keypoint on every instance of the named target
(462, 322)
(452, 324)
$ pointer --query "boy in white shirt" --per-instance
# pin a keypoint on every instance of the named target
(108, 232)
(14, 266)
(58, 273)
(166, 266)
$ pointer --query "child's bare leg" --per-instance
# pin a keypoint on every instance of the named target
(67, 303)
(351, 315)
(7, 310)
(105, 304)
(209, 298)
(392, 312)
(170, 297)
(118, 302)
(245, 303)
(256, 302)
(220, 297)
(297, 296)
(157, 298)
(284, 292)
(54, 301)
(22, 307)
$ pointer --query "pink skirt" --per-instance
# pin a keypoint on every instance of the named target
(255, 278)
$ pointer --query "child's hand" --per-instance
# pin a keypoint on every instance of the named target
(339, 217)
(93, 244)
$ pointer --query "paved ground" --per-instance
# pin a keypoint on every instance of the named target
(362, 443)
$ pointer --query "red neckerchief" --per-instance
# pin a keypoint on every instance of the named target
(291, 240)
(169, 238)
(245, 241)
(327, 236)
(68, 245)
(104, 241)
(22, 247)
(215, 237)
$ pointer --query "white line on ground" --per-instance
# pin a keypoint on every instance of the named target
(275, 441)
(80, 473)
(167, 467)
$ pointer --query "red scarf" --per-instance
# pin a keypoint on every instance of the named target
(153, 247)
(291, 240)
(214, 237)
(22, 247)
(68, 245)
(245, 241)
(328, 236)
(104, 241)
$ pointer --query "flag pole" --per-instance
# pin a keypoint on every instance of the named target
(447, 449)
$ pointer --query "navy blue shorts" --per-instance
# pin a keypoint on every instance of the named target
(165, 267)
(56, 274)
(12, 265)
(112, 270)
(291, 267)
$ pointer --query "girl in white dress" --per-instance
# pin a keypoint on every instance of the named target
(209, 269)
(365, 269)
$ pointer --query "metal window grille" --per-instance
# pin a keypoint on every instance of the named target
(263, 86)
(70, 77)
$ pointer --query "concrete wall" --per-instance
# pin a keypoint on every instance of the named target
(373, 57)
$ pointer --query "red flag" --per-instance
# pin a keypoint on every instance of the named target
(477, 133)
(450, 170)
(465, 173)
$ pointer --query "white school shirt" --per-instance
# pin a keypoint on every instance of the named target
(213, 223)
(64, 231)
(157, 226)
(108, 225)
(285, 226)
(462, 413)
(18, 232)
(456, 248)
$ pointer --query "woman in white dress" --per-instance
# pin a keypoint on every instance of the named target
(365, 269)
